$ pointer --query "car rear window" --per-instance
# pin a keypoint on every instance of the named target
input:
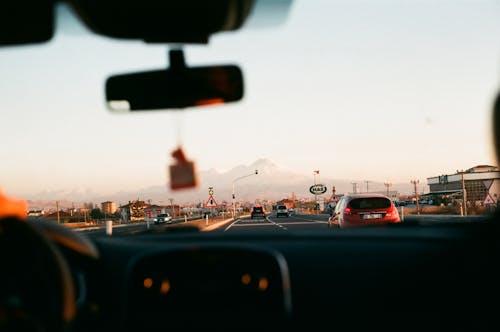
(257, 209)
(370, 203)
(282, 207)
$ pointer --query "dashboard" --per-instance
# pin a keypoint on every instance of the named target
(400, 277)
(423, 277)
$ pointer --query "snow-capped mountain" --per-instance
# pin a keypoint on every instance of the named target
(272, 182)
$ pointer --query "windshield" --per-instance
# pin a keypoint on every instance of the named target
(391, 98)
(370, 203)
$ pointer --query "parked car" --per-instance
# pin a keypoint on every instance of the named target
(281, 210)
(257, 211)
(163, 218)
(364, 210)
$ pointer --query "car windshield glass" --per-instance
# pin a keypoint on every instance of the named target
(370, 203)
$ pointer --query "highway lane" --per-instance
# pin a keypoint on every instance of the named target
(273, 224)
(316, 222)
(117, 229)
(190, 224)
(269, 224)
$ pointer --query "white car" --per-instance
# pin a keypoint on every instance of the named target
(282, 210)
(162, 218)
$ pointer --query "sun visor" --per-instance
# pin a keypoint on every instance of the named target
(187, 21)
(26, 21)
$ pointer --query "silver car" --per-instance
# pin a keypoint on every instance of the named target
(162, 218)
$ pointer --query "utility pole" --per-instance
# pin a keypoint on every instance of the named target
(464, 193)
(172, 207)
(415, 182)
(387, 185)
(367, 186)
(354, 187)
(58, 218)
(315, 196)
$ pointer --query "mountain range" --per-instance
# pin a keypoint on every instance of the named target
(272, 182)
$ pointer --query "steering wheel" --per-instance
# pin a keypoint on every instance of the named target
(36, 287)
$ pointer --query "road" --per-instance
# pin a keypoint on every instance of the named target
(117, 229)
(273, 224)
(269, 224)
(191, 224)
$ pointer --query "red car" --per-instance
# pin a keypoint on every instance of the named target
(364, 209)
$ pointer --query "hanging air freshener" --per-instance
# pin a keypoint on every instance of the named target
(183, 173)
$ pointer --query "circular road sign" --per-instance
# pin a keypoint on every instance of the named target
(318, 189)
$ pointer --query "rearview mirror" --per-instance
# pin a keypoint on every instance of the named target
(176, 87)
(166, 89)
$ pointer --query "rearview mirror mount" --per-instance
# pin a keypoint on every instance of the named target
(176, 87)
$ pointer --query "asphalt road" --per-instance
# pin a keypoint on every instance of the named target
(192, 224)
(270, 223)
(117, 229)
(273, 224)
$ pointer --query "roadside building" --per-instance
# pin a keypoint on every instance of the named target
(35, 213)
(481, 184)
(133, 211)
(287, 202)
(108, 207)
(58, 217)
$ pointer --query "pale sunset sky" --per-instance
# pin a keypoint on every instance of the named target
(387, 91)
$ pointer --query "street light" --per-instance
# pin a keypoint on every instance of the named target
(234, 181)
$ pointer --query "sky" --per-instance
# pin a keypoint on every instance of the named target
(392, 91)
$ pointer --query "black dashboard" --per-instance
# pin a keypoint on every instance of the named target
(411, 278)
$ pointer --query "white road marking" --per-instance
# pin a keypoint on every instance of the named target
(246, 223)
(250, 225)
(230, 225)
(301, 222)
(267, 218)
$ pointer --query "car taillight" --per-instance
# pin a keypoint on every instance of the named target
(392, 212)
(347, 210)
